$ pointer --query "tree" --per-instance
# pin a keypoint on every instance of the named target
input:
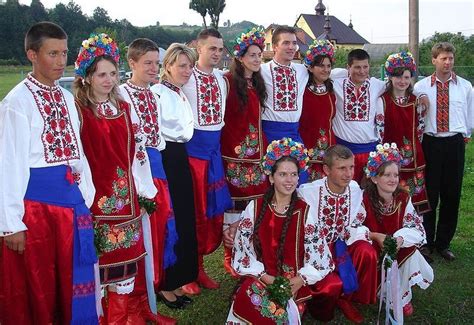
(200, 6)
(101, 17)
(37, 11)
(214, 9)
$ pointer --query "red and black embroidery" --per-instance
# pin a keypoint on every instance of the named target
(146, 107)
(356, 102)
(58, 137)
(209, 99)
(171, 86)
(334, 214)
(285, 87)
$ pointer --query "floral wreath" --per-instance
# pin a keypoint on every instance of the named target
(254, 36)
(96, 45)
(319, 47)
(281, 148)
(402, 59)
(384, 153)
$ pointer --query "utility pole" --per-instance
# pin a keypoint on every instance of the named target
(413, 29)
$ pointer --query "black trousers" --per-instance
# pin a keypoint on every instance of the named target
(444, 173)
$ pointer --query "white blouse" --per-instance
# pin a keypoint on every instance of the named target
(39, 127)
(177, 120)
(285, 88)
(207, 94)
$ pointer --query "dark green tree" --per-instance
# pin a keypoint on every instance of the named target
(201, 7)
(214, 9)
(37, 11)
(101, 17)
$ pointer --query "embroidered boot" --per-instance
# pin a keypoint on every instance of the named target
(203, 279)
(148, 315)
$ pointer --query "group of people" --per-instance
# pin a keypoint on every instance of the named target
(111, 196)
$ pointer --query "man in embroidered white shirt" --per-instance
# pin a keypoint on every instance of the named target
(285, 82)
(449, 124)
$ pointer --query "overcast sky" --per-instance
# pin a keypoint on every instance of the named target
(378, 21)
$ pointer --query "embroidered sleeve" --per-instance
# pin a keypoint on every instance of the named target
(244, 259)
(380, 120)
(82, 175)
(420, 125)
(413, 232)
(317, 256)
(14, 169)
(357, 231)
(141, 169)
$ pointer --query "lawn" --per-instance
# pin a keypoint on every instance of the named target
(449, 300)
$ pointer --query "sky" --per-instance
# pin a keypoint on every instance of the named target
(378, 21)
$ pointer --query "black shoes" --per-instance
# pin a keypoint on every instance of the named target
(426, 251)
(447, 254)
(176, 304)
(184, 299)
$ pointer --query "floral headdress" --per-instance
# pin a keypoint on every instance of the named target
(284, 147)
(384, 153)
(319, 47)
(96, 45)
(402, 59)
(254, 36)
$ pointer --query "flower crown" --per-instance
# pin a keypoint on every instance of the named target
(254, 36)
(96, 45)
(281, 148)
(384, 153)
(319, 47)
(399, 60)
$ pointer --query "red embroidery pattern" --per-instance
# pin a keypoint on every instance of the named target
(171, 86)
(84, 222)
(59, 140)
(356, 106)
(442, 106)
(334, 214)
(83, 289)
(285, 87)
(146, 107)
(209, 99)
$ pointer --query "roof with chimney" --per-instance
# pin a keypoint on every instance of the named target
(324, 26)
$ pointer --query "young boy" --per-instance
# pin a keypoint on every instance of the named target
(143, 59)
(46, 237)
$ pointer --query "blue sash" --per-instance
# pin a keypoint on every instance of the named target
(49, 185)
(277, 130)
(358, 147)
(157, 171)
(206, 145)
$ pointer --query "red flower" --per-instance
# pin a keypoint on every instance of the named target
(49, 138)
(141, 96)
(67, 152)
(58, 152)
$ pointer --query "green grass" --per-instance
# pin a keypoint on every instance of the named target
(449, 300)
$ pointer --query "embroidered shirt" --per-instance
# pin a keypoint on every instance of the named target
(460, 102)
(39, 127)
(207, 92)
(145, 113)
(285, 88)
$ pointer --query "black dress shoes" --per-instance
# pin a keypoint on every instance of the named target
(176, 304)
(447, 254)
(184, 299)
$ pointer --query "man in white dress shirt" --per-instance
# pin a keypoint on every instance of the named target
(449, 124)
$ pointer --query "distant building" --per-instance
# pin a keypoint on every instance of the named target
(318, 26)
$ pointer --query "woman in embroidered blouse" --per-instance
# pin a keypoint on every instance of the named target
(120, 172)
(403, 123)
(391, 212)
(177, 129)
(271, 230)
(243, 142)
(318, 106)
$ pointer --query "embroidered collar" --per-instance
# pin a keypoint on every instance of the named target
(403, 100)
(171, 86)
(317, 89)
(202, 72)
(282, 65)
(346, 191)
(366, 83)
(452, 78)
(40, 85)
(106, 109)
(135, 87)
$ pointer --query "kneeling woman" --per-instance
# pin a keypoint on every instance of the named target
(276, 237)
(390, 212)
